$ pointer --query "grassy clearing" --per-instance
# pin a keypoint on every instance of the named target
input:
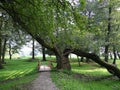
(97, 78)
(17, 72)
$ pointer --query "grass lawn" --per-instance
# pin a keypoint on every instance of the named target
(86, 77)
(17, 72)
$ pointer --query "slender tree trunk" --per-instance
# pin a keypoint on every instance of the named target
(108, 34)
(10, 51)
(4, 49)
(78, 60)
(43, 53)
(114, 52)
(87, 60)
(33, 49)
(0, 52)
(111, 57)
(118, 54)
(106, 53)
(82, 58)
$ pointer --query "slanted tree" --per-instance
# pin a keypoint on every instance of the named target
(57, 27)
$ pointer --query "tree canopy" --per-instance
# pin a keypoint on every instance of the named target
(64, 27)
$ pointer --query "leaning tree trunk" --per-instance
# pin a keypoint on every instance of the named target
(110, 67)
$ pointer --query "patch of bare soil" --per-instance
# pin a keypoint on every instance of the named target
(43, 82)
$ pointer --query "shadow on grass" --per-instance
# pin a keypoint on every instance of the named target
(18, 76)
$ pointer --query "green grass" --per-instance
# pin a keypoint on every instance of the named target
(67, 81)
(17, 72)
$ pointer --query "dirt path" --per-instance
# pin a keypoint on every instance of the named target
(43, 82)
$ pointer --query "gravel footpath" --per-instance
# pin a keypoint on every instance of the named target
(43, 82)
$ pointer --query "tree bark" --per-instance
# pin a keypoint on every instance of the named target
(63, 62)
(59, 62)
(43, 53)
(108, 34)
(115, 57)
(78, 61)
(3, 51)
(118, 54)
(82, 59)
(1, 66)
(106, 52)
(33, 49)
(111, 56)
(10, 50)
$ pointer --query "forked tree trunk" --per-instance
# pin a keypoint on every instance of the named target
(63, 62)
